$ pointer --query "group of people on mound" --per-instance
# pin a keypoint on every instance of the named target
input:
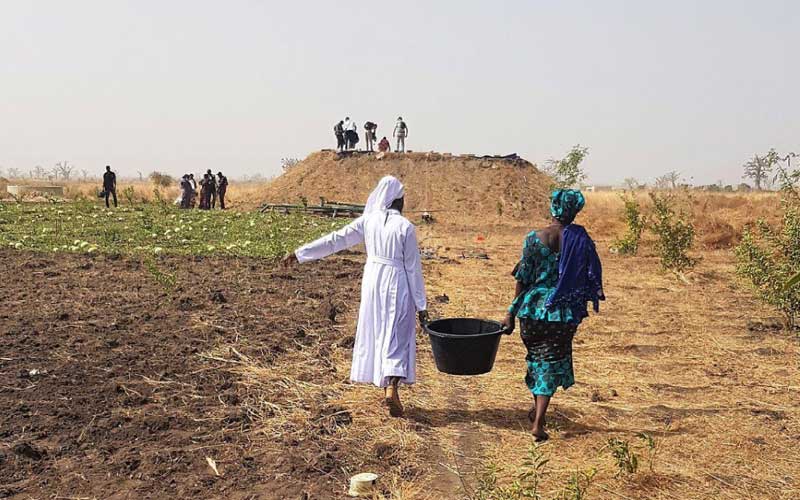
(211, 189)
(346, 132)
(558, 274)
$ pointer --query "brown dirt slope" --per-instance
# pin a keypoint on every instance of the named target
(460, 189)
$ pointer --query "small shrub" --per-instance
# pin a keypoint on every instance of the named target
(651, 446)
(128, 193)
(577, 487)
(165, 279)
(675, 233)
(635, 221)
(159, 200)
(767, 257)
(524, 485)
(624, 456)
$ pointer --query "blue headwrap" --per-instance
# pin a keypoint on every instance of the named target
(565, 205)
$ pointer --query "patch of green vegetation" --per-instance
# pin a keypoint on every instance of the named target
(675, 233)
(635, 221)
(625, 457)
(525, 482)
(769, 255)
(524, 485)
(155, 229)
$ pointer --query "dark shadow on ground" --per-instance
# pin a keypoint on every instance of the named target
(567, 422)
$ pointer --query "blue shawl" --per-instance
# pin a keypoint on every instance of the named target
(580, 274)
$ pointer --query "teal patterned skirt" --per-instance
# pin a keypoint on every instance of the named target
(549, 357)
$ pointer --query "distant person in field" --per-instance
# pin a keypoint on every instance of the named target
(338, 131)
(400, 132)
(205, 195)
(558, 274)
(212, 190)
(384, 145)
(392, 290)
(110, 185)
(193, 199)
(222, 188)
(370, 131)
(350, 133)
(186, 192)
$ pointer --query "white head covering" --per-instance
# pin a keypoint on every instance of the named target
(384, 194)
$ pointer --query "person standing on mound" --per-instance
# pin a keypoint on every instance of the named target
(392, 290)
(400, 132)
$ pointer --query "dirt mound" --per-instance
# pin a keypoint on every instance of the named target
(458, 189)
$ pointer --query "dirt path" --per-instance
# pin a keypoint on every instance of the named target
(683, 363)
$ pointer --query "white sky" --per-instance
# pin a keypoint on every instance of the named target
(178, 85)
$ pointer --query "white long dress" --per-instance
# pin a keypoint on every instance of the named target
(392, 290)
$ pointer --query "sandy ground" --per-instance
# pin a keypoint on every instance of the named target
(697, 365)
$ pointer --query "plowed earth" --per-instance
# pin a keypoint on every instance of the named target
(115, 384)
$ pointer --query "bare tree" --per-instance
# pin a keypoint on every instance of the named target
(38, 172)
(287, 163)
(141, 177)
(632, 184)
(759, 168)
(84, 173)
(669, 180)
(64, 169)
(13, 173)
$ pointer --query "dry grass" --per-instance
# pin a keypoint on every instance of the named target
(679, 361)
(718, 217)
(240, 195)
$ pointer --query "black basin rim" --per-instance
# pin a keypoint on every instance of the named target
(467, 335)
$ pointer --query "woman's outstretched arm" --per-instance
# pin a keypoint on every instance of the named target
(349, 236)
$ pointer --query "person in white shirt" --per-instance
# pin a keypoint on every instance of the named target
(392, 290)
(350, 133)
(400, 132)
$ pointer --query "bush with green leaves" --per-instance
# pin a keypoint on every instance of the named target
(768, 257)
(567, 172)
(635, 221)
(674, 230)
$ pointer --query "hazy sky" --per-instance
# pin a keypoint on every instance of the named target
(649, 86)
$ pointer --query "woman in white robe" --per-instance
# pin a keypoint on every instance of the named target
(392, 289)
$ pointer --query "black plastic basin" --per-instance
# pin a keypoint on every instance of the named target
(464, 346)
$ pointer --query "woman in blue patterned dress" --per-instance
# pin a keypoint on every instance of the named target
(559, 272)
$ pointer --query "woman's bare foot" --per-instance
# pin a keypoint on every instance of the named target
(393, 401)
(539, 435)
